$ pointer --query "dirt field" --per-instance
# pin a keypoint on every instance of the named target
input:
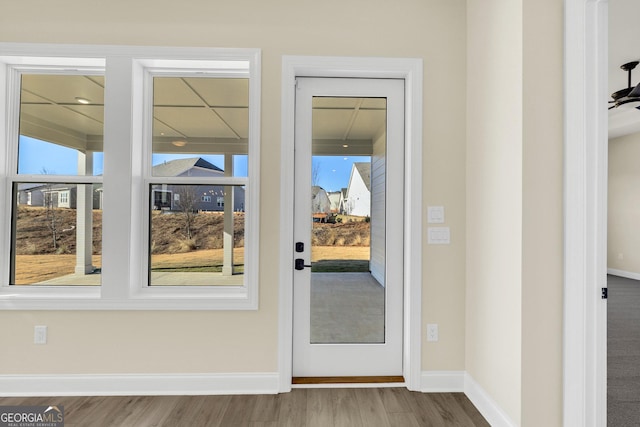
(38, 268)
(37, 260)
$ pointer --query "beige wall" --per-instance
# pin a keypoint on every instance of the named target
(494, 200)
(175, 342)
(495, 166)
(624, 204)
(514, 206)
(542, 223)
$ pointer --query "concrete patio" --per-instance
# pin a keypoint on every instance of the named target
(346, 308)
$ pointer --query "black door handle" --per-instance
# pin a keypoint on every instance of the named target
(300, 265)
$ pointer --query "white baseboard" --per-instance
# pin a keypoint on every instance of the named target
(494, 415)
(622, 273)
(442, 382)
(215, 384)
(138, 385)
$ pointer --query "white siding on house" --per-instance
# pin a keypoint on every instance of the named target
(335, 197)
(378, 210)
(359, 197)
(320, 202)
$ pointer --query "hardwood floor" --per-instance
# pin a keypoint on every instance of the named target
(322, 407)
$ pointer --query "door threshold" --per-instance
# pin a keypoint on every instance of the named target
(380, 380)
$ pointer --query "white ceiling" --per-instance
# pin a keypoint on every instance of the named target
(624, 37)
(210, 114)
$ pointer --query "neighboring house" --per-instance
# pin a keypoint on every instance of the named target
(54, 195)
(29, 194)
(343, 201)
(199, 198)
(359, 190)
(171, 197)
(320, 202)
(335, 199)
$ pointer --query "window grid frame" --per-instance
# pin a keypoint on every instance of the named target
(129, 294)
(185, 69)
(12, 103)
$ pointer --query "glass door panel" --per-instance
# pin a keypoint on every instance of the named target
(348, 227)
(347, 301)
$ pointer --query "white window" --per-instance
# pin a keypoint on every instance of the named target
(63, 199)
(193, 112)
(54, 144)
(158, 113)
(220, 202)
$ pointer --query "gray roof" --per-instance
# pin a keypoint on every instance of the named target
(364, 169)
(179, 166)
(315, 190)
(27, 186)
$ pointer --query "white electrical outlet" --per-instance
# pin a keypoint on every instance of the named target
(40, 335)
(432, 332)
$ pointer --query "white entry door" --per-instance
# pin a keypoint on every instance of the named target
(348, 227)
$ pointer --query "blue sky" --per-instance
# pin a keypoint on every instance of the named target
(34, 156)
(334, 171)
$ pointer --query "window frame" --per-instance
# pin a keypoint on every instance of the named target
(125, 253)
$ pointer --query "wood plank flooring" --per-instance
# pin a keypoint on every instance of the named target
(313, 407)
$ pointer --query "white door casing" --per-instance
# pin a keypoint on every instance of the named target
(585, 213)
(411, 71)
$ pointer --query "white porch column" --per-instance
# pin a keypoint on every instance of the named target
(84, 216)
(227, 264)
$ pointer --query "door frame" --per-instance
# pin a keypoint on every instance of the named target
(356, 67)
(585, 213)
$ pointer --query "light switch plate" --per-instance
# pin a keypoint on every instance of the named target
(435, 214)
(438, 235)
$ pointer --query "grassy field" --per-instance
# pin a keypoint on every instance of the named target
(207, 260)
(39, 268)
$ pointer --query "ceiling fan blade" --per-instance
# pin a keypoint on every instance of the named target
(612, 107)
(635, 93)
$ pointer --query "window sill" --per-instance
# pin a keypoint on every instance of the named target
(91, 299)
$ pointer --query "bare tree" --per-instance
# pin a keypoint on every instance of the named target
(51, 210)
(50, 201)
(187, 204)
(315, 173)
